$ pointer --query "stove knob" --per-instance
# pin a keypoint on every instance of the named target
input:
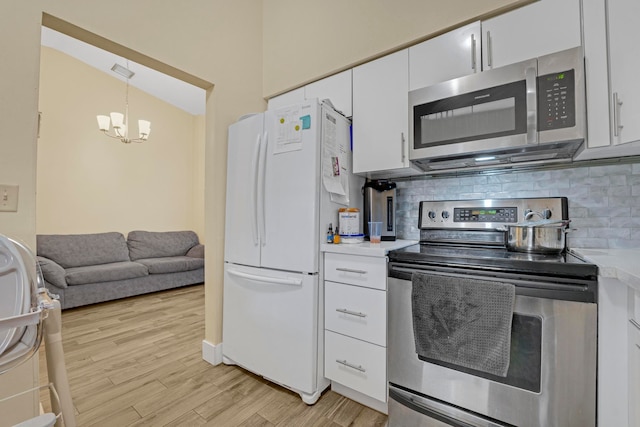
(432, 215)
(445, 214)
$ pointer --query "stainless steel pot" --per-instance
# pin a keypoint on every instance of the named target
(546, 237)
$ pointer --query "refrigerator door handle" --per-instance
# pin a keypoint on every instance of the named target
(254, 191)
(261, 189)
(266, 279)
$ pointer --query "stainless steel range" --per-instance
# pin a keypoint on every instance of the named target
(549, 363)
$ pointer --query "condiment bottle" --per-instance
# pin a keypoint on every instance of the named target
(330, 234)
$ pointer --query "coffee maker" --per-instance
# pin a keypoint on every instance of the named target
(380, 206)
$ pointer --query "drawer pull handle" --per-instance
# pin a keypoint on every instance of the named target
(349, 365)
(350, 270)
(353, 313)
(634, 323)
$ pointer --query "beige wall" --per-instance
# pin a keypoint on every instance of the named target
(306, 40)
(89, 183)
(218, 41)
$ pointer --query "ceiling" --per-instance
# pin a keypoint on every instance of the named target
(183, 95)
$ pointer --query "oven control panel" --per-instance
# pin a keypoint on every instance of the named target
(507, 214)
(489, 213)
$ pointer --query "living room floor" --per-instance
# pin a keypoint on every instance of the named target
(138, 362)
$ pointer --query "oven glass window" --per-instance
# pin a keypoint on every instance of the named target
(525, 358)
(490, 113)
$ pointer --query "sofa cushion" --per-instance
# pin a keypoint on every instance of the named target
(105, 272)
(77, 250)
(149, 244)
(52, 272)
(172, 264)
(197, 251)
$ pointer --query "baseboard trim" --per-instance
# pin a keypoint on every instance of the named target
(360, 397)
(211, 353)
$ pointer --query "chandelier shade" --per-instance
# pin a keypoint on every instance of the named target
(120, 122)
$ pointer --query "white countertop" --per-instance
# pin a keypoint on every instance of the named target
(621, 264)
(366, 249)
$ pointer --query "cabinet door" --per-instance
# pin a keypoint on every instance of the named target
(543, 27)
(242, 244)
(336, 88)
(451, 55)
(624, 60)
(292, 97)
(359, 365)
(380, 114)
(634, 375)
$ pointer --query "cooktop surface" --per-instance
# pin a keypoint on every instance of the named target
(500, 259)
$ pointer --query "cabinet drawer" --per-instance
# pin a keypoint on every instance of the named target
(356, 364)
(356, 311)
(356, 270)
(634, 304)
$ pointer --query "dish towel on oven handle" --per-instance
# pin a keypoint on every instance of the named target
(462, 321)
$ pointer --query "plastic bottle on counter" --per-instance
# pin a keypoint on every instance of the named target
(336, 236)
(330, 234)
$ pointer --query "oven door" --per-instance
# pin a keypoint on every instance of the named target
(551, 379)
(488, 111)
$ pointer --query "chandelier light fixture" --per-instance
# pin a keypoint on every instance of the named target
(119, 121)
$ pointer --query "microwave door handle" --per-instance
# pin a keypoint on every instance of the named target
(532, 109)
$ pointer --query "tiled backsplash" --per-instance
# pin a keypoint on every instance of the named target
(604, 201)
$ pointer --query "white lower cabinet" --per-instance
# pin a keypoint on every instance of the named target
(356, 364)
(355, 316)
(356, 311)
(634, 375)
(634, 357)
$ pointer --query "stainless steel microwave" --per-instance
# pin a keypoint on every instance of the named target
(529, 112)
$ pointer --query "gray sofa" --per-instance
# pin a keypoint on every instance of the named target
(90, 268)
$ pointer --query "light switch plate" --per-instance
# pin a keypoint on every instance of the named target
(8, 198)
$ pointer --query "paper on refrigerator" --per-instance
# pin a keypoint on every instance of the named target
(288, 130)
(335, 173)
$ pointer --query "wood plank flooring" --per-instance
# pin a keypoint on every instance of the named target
(138, 362)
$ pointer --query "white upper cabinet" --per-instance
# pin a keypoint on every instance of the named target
(336, 88)
(381, 116)
(295, 96)
(540, 28)
(624, 62)
(613, 91)
(448, 56)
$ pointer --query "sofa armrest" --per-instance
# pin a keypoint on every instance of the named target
(52, 272)
(196, 252)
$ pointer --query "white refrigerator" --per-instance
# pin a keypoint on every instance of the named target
(280, 166)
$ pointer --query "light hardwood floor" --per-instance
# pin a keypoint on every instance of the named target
(138, 362)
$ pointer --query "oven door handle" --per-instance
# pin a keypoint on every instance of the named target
(576, 290)
(414, 402)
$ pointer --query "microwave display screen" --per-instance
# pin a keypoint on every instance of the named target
(488, 113)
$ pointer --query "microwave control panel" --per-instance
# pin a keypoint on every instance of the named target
(556, 101)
